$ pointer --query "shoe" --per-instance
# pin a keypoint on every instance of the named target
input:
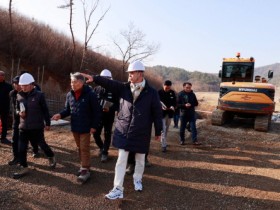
(147, 164)
(84, 176)
(22, 172)
(36, 155)
(5, 141)
(130, 169)
(14, 161)
(114, 194)
(138, 184)
(182, 143)
(100, 153)
(164, 149)
(79, 172)
(52, 162)
(196, 143)
(104, 158)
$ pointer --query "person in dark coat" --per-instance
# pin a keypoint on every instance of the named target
(16, 119)
(139, 109)
(168, 101)
(109, 105)
(5, 89)
(82, 105)
(187, 102)
(13, 97)
(34, 118)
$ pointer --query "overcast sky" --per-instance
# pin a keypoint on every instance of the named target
(193, 34)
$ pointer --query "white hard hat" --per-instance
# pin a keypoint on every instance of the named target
(26, 79)
(106, 73)
(136, 66)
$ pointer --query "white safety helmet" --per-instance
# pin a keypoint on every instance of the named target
(106, 73)
(26, 79)
(136, 66)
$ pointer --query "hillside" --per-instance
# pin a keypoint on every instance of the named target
(263, 71)
(36, 47)
(201, 81)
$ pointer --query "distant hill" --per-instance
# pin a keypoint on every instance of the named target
(263, 71)
(201, 81)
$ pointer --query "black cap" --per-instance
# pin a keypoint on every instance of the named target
(167, 83)
(16, 79)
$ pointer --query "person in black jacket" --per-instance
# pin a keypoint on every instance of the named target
(109, 105)
(16, 118)
(187, 102)
(168, 101)
(5, 89)
(34, 118)
(82, 105)
(139, 109)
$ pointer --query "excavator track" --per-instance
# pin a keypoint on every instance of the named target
(218, 117)
(262, 123)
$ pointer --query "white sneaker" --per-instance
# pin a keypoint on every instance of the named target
(114, 194)
(138, 184)
(84, 176)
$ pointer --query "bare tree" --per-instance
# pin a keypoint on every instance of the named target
(70, 6)
(89, 31)
(11, 37)
(134, 47)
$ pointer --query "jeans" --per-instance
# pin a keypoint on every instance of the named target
(107, 124)
(165, 126)
(176, 118)
(184, 120)
(83, 143)
(36, 135)
(121, 167)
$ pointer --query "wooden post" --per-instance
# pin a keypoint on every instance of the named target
(12, 71)
(18, 66)
(42, 78)
(38, 75)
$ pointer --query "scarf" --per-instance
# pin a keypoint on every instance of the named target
(136, 89)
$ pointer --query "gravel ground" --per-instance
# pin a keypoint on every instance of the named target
(234, 168)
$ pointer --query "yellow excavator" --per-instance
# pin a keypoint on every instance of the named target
(244, 95)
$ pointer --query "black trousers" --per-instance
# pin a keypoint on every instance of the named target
(4, 114)
(107, 124)
(37, 136)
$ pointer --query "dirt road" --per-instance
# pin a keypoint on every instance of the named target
(235, 168)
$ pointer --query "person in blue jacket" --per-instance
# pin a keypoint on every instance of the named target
(82, 105)
(139, 108)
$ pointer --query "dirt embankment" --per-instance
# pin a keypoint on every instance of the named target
(234, 168)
